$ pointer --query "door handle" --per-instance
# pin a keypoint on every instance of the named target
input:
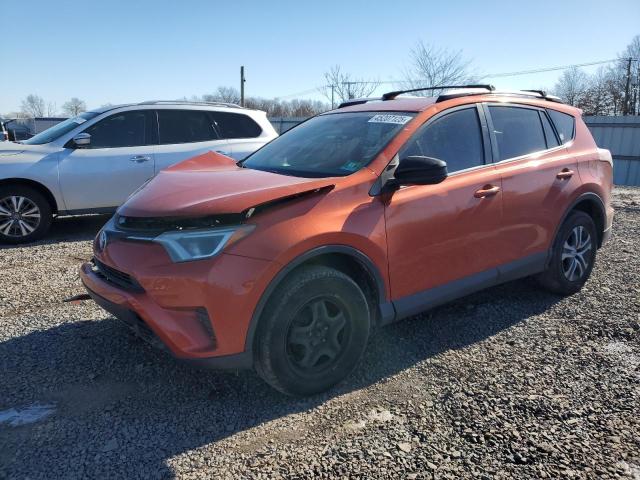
(565, 173)
(140, 158)
(487, 191)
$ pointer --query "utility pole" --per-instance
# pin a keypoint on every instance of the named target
(636, 103)
(627, 103)
(348, 84)
(333, 87)
(242, 80)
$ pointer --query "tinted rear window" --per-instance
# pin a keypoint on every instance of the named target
(552, 140)
(517, 130)
(185, 126)
(235, 125)
(565, 125)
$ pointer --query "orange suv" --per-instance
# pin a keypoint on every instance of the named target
(358, 217)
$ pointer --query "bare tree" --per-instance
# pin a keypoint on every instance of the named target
(74, 107)
(51, 109)
(612, 90)
(223, 94)
(273, 106)
(572, 86)
(598, 99)
(33, 106)
(632, 52)
(340, 86)
(433, 66)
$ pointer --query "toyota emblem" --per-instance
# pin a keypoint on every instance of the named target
(102, 240)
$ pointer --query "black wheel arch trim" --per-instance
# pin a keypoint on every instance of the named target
(34, 184)
(581, 198)
(387, 310)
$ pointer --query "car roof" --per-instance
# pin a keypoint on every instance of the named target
(171, 103)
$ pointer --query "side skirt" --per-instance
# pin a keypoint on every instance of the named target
(433, 297)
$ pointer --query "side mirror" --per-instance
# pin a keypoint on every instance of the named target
(418, 170)
(82, 140)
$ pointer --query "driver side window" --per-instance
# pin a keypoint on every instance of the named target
(455, 137)
(126, 129)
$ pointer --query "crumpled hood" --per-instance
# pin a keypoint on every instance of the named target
(213, 184)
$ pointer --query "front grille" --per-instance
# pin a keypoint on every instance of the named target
(116, 277)
(162, 224)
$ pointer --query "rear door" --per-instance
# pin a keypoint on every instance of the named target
(446, 235)
(118, 160)
(184, 134)
(538, 178)
(242, 132)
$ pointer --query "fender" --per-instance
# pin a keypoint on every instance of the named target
(580, 198)
(387, 310)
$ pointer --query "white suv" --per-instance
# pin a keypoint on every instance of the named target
(91, 163)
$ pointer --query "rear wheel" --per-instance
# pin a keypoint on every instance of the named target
(313, 331)
(25, 215)
(573, 255)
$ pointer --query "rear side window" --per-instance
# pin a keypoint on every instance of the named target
(518, 131)
(455, 138)
(565, 125)
(235, 125)
(185, 126)
(127, 129)
(549, 134)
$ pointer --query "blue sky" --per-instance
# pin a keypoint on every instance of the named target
(122, 51)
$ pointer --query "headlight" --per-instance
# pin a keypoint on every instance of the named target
(185, 245)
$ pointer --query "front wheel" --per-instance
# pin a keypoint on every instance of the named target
(573, 255)
(313, 331)
(25, 215)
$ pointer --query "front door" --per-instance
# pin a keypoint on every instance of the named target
(118, 160)
(444, 238)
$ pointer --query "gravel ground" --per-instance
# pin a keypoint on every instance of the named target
(508, 383)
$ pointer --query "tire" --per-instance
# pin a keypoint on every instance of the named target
(567, 275)
(25, 214)
(313, 331)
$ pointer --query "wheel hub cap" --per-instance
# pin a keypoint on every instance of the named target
(317, 335)
(575, 259)
(19, 216)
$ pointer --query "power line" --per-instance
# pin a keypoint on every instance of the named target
(493, 75)
(549, 69)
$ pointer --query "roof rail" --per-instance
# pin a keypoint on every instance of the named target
(188, 102)
(544, 95)
(466, 90)
(511, 93)
(358, 101)
(394, 94)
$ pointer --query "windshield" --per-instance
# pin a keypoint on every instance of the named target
(51, 134)
(329, 145)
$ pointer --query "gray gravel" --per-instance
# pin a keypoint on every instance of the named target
(510, 382)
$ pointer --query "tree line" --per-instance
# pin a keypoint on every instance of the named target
(611, 90)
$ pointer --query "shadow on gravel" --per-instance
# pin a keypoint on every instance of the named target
(123, 409)
(70, 229)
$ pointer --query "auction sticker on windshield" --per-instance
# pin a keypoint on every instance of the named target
(386, 118)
